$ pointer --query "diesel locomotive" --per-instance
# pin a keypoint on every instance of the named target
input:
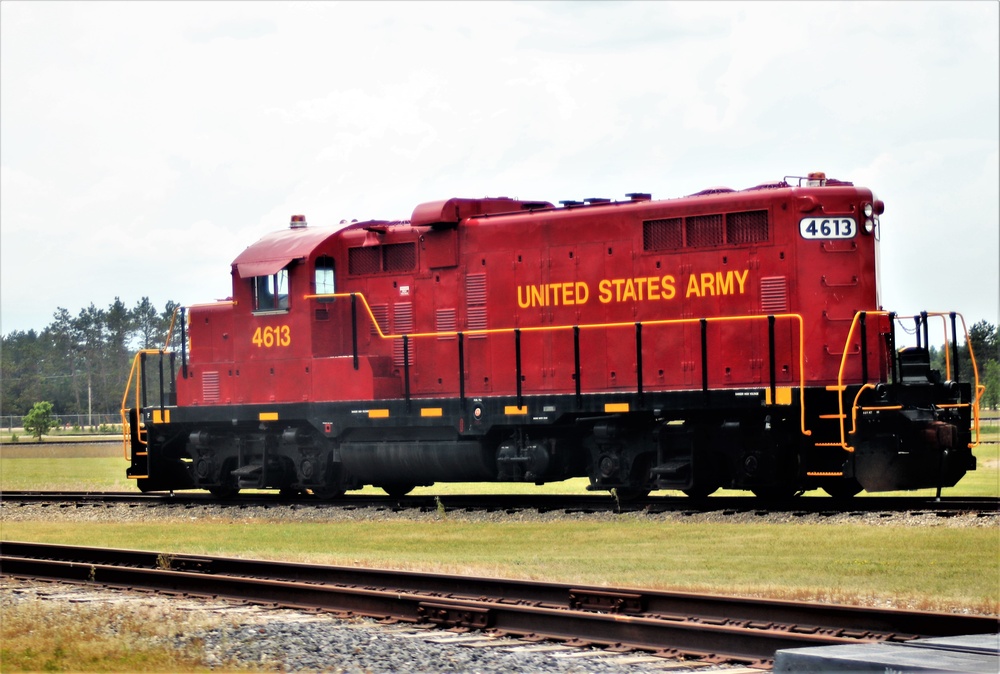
(726, 339)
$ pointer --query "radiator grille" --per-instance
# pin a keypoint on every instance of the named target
(363, 260)
(399, 257)
(746, 227)
(663, 234)
(704, 230)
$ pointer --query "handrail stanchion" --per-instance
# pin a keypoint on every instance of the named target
(184, 357)
(954, 348)
(864, 348)
(771, 354)
(517, 363)
(704, 357)
(638, 360)
(576, 366)
(354, 328)
(406, 370)
(461, 370)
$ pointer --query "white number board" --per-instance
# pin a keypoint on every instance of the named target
(828, 228)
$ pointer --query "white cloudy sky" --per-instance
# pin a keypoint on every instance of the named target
(144, 145)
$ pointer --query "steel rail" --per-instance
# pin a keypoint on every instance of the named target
(541, 502)
(735, 629)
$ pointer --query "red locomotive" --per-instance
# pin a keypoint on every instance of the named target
(725, 339)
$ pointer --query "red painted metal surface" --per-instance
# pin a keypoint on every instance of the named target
(499, 265)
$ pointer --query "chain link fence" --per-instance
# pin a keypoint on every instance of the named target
(68, 422)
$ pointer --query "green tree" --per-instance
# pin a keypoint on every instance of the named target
(991, 396)
(39, 420)
(983, 340)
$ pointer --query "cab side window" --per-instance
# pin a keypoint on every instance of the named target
(325, 279)
(270, 293)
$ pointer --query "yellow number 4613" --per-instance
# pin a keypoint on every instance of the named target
(272, 336)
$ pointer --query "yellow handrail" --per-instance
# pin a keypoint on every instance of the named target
(590, 326)
(855, 407)
(126, 425)
(134, 374)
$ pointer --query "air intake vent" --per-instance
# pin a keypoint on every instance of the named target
(210, 387)
(402, 324)
(475, 304)
(773, 295)
(446, 321)
(381, 314)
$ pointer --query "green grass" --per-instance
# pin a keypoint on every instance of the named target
(935, 567)
(931, 567)
(65, 474)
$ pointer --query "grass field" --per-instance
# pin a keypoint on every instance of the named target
(935, 566)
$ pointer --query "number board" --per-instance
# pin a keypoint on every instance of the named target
(828, 228)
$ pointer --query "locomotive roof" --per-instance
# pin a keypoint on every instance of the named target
(276, 250)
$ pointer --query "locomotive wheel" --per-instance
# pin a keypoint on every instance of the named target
(396, 490)
(224, 491)
(842, 489)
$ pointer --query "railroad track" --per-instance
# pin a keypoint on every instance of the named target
(670, 624)
(945, 507)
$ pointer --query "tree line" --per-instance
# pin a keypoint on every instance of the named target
(81, 363)
(985, 340)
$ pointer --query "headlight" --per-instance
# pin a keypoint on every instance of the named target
(869, 225)
(869, 210)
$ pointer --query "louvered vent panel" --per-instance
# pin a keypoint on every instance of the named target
(746, 227)
(399, 257)
(402, 317)
(446, 321)
(362, 261)
(475, 290)
(774, 295)
(704, 230)
(476, 320)
(475, 303)
(663, 234)
(381, 314)
(210, 387)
